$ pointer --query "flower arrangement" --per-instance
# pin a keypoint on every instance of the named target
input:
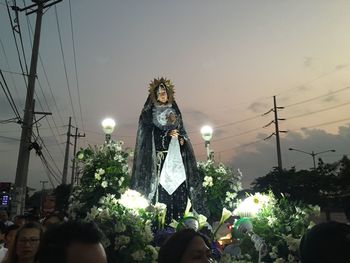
(280, 222)
(221, 185)
(126, 226)
(124, 215)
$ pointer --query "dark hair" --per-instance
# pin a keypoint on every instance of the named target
(326, 243)
(10, 228)
(174, 248)
(58, 238)
(13, 257)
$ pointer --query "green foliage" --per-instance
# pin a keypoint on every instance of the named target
(325, 186)
(105, 171)
(221, 185)
(124, 216)
(281, 223)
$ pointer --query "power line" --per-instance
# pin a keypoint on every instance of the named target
(318, 111)
(9, 69)
(10, 138)
(232, 136)
(321, 124)
(15, 8)
(64, 66)
(14, 36)
(318, 97)
(9, 96)
(75, 65)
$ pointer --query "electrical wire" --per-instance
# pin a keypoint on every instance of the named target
(16, 44)
(64, 66)
(318, 111)
(75, 66)
(9, 95)
(318, 97)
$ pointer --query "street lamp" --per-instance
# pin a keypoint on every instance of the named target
(313, 154)
(207, 134)
(108, 126)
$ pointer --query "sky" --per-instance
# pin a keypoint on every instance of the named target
(226, 58)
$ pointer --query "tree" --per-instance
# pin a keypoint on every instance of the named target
(327, 186)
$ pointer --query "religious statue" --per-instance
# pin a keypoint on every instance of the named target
(165, 168)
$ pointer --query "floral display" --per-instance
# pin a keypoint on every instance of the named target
(280, 222)
(221, 185)
(133, 228)
(124, 215)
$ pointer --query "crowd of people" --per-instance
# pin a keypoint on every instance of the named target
(58, 240)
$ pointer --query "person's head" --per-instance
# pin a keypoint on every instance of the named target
(72, 242)
(326, 243)
(26, 244)
(161, 91)
(162, 95)
(20, 220)
(10, 235)
(51, 220)
(185, 246)
(3, 216)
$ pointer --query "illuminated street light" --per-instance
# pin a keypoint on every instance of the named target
(108, 126)
(313, 154)
(207, 134)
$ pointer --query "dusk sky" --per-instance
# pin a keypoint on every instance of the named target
(227, 60)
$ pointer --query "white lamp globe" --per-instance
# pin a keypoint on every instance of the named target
(108, 125)
(207, 133)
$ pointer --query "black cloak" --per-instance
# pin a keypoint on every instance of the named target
(144, 173)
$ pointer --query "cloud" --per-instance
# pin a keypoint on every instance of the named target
(258, 107)
(339, 67)
(308, 61)
(258, 162)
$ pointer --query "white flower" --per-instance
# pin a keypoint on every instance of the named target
(225, 215)
(92, 214)
(293, 243)
(252, 205)
(271, 220)
(208, 181)
(119, 227)
(104, 184)
(138, 255)
(121, 180)
(80, 156)
(147, 234)
(120, 241)
(133, 200)
(154, 252)
(101, 171)
(280, 260)
(97, 176)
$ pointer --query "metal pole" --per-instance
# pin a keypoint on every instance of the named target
(277, 132)
(26, 134)
(74, 153)
(313, 158)
(66, 156)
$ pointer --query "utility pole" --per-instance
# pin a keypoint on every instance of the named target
(277, 131)
(42, 195)
(76, 136)
(66, 156)
(26, 134)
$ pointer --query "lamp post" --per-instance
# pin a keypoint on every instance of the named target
(108, 126)
(207, 134)
(313, 154)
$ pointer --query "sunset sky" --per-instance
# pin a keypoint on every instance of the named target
(227, 60)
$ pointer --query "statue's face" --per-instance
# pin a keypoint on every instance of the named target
(162, 96)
